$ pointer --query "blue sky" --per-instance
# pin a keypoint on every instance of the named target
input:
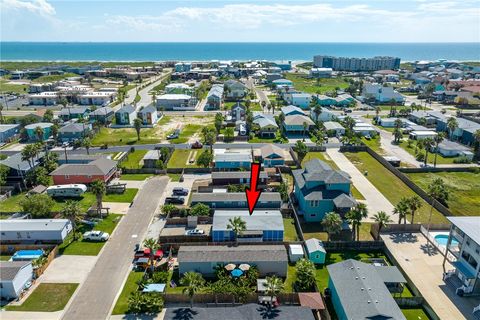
(241, 21)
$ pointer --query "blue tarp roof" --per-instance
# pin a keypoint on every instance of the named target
(155, 287)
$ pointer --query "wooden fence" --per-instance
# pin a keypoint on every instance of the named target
(40, 270)
(210, 299)
(12, 248)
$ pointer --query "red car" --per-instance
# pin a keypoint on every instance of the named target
(145, 253)
(197, 145)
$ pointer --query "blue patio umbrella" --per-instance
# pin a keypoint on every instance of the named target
(236, 273)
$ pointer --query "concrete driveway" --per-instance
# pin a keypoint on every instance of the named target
(374, 199)
(69, 269)
(97, 294)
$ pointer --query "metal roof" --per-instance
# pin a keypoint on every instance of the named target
(101, 166)
(235, 175)
(10, 269)
(260, 220)
(314, 245)
(42, 125)
(33, 224)
(469, 225)
(238, 254)
(234, 196)
(15, 162)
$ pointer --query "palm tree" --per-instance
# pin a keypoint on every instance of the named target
(193, 283)
(397, 131)
(137, 124)
(153, 245)
(427, 144)
(87, 143)
(452, 124)
(71, 210)
(273, 286)
(438, 139)
(28, 153)
(317, 110)
(305, 127)
(382, 219)
(39, 133)
(55, 129)
(401, 208)
(98, 188)
(332, 223)
(263, 104)
(377, 111)
(414, 203)
(436, 190)
(355, 217)
(237, 225)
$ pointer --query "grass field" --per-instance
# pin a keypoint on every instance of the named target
(390, 186)
(179, 158)
(431, 156)
(464, 189)
(86, 248)
(290, 234)
(415, 314)
(133, 159)
(135, 176)
(291, 277)
(5, 257)
(187, 132)
(15, 88)
(301, 82)
(47, 297)
(121, 306)
(120, 137)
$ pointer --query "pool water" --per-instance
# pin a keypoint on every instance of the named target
(442, 240)
(23, 255)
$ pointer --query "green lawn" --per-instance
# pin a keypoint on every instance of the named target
(374, 144)
(464, 189)
(86, 248)
(5, 257)
(121, 306)
(127, 196)
(47, 297)
(135, 176)
(278, 139)
(390, 186)
(187, 132)
(175, 177)
(301, 82)
(290, 234)
(174, 275)
(291, 277)
(133, 159)
(313, 230)
(121, 137)
(431, 156)
(179, 158)
(415, 314)
(15, 88)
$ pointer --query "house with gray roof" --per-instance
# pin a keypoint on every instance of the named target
(465, 131)
(74, 131)
(101, 169)
(14, 276)
(34, 230)
(358, 291)
(234, 90)
(232, 158)
(262, 225)
(291, 110)
(214, 97)
(224, 178)
(77, 112)
(295, 124)
(102, 115)
(267, 126)
(334, 128)
(315, 251)
(125, 115)
(236, 200)
(269, 259)
(149, 115)
(319, 189)
(18, 167)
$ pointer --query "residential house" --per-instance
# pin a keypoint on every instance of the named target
(381, 94)
(272, 155)
(236, 200)
(173, 101)
(464, 244)
(14, 277)
(70, 113)
(315, 251)
(326, 114)
(319, 189)
(359, 290)
(364, 129)
(225, 178)
(282, 82)
(74, 131)
(387, 122)
(270, 77)
(464, 133)
(18, 168)
(150, 159)
(80, 158)
(234, 90)
(428, 118)
(292, 110)
(100, 169)
(262, 225)
(301, 100)
(125, 115)
(8, 132)
(232, 158)
(321, 72)
(31, 130)
(267, 126)
(334, 128)
(102, 115)
(449, 148)
(342, 100)
(47, 98)
(238, 112)
(269, 259)
(214, 97)
(422, 134)
(295, 124)
(149, 115)
(96, 98)
(34, 230)
(178, 88)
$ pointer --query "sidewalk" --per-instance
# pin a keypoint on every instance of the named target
(374, 200)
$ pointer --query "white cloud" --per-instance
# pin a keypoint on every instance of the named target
(41, 7)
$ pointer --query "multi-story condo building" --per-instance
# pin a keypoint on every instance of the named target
(356, 64)
(463, 252)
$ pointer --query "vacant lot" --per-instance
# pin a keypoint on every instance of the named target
(180, 158)
(47, 297)
(464, 189)
(133, 159)
(391, 187)
(301, 82)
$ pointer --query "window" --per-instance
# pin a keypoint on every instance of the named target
(67, 176)
(312, 215)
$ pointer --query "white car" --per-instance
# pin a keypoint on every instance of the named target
(194, 232)
(96, 236)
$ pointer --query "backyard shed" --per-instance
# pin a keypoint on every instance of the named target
(295, 252)
(315, 251)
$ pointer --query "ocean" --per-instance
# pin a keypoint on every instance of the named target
(159, 51)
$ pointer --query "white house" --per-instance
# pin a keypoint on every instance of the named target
(96, 98)
(333, 126)
(47, 98)
(387, 122)
(381, 94)
(449, 148)
(173, 101)
(420, 135)
(148, 115)
(14, 275)
(326, 114)
(34, 230)
(301, 100)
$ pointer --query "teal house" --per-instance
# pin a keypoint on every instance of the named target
(315, 251)
(31, 130)
(319, 189)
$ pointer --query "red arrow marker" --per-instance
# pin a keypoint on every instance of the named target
(253, 193)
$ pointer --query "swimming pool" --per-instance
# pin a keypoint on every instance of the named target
(442, 240)
(22, 255)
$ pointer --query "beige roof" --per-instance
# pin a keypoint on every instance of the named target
(298, 120)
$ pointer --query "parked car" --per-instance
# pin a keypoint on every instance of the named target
(179, 191)
(174, 135)
(95, 236)
(174, 200)
(145, 253)
(194, 232)
(197, 145)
